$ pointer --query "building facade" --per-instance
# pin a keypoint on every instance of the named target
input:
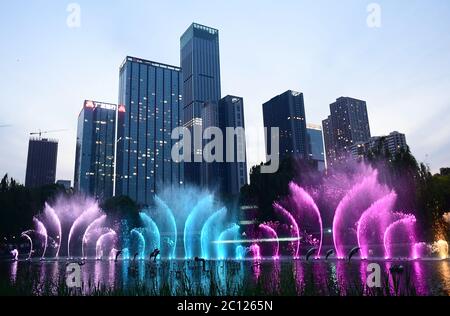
(287, 112)
(41, 162)
(150, 97)
(349, 124)
(233, 174)
(390, 144)
(95, 149)
(315, 145)
(199, 51)
(209, 169)
(327, 129)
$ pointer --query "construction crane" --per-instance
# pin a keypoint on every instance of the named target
(47, 132)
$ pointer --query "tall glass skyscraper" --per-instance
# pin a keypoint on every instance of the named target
(94, 157)
(151, 96)
(287, 112)
(200, 62)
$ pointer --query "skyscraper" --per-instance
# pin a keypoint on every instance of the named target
(287, 112)
(315, 145)
(209, 170)
(349, 124)
(233, 174)
(95, 149)
(327, 129)
(41, 162)
(200, 62)
(150, 96)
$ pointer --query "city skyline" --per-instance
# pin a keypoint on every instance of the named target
(394, 104)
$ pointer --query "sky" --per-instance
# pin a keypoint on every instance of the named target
(323, 48)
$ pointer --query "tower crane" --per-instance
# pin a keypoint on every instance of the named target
(47, 132)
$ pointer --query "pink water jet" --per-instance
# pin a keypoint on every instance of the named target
(350, 210)
(256, 251)
(53, 226)
(105, 241)
(92, 233)
(42, 231)
(372, 225)
(400, 235)
(292, 225)
(89, 215)
(270, 233)
(420, 250)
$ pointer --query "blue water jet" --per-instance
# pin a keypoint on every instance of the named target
(226, 246)
(153, 240)
(194, 225)
(168, 228)
(140, 247)
(210, 232)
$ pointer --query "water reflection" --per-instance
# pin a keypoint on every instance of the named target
(277, 277)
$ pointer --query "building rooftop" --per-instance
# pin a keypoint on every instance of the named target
(148, 62)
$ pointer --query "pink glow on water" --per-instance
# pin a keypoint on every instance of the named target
(350, 209)
(292, 223)
(41, 230)
(372, 225)
(400, 235)
(270, 233)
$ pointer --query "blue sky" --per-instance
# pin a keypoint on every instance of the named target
(321, 48)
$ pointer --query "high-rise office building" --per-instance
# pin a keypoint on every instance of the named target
(327, 129)
(287, 112)
(315, 145)
(199, 46)
(150, 96)
(349, 124)
(209, 169)
(233, 174)
(41, 162)
(95, 149)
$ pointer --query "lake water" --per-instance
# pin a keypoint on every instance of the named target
(182, 277)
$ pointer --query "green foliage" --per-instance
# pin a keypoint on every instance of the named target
(122, 207)
(19, 204)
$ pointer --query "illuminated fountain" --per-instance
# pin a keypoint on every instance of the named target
(364, 219)
(441, 248)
